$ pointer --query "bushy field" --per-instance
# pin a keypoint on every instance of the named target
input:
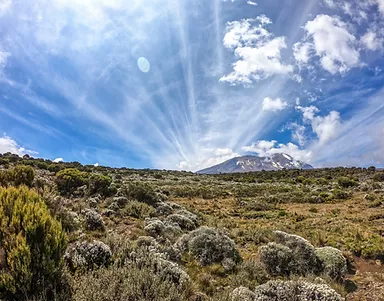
(74, 232)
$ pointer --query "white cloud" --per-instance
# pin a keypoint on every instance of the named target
(58, 160)
(208, 159)
(380, 4)
(96, 164)
(223, 152)
(257, 50)
(252, 3)
(274, 105)
(4, 58)
(332, 43)
(266, 148)
(308, 112)
(261, 147)
(372, 41)
(330, 3)
(325, 127)
(302, 52)
(7, 144)
(5, 5)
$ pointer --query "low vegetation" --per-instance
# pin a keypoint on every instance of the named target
(78, 233)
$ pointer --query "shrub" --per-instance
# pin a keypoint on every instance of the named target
(55, 167)
(182, 221)
(142, 193)
(379, 177)
(192, 217)
(346, 182)
(93, 220)
(277, 259)
(304, 257)
(69, 179)
(250, 273)
(209, 245)
(242, 294)
(129, 282)
(154, 227)
(4, 178)
(163, 209)
(100, 184)
(32, 243)
(160, 230)
(137, 210)
(335, 264)
(22, 175)
(120, 201)
(279, 290)
(340, 194)
(88, 255)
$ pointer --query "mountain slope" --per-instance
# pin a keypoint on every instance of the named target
(256, 163)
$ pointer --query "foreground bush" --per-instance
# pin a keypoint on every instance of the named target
(32, 244)
(127, 283)
(279, 290)
(209, 245)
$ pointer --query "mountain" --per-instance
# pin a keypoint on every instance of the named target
(256, 163)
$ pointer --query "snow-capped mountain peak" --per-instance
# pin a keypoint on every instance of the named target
(255, 163)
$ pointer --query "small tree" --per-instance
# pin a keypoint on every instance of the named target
(32, 244)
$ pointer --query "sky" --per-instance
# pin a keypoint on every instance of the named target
(186, 84)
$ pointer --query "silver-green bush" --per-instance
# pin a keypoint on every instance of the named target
(278, 290)
(209, 245)
(87, 255)
(335, 264)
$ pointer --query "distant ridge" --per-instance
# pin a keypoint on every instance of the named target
(256, 163)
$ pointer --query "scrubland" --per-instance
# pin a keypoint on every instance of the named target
(74, 232)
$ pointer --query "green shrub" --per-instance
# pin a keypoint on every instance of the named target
(4, 178)
(42, 165)
(346, 182)
(69, 179)
(100, 184)
(141, 193)
(137, 210)
(32, 244)
(379, 177)
(340, 194)
(55, 167)
(22, 175)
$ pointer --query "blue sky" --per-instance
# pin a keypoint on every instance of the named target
(185, 84)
